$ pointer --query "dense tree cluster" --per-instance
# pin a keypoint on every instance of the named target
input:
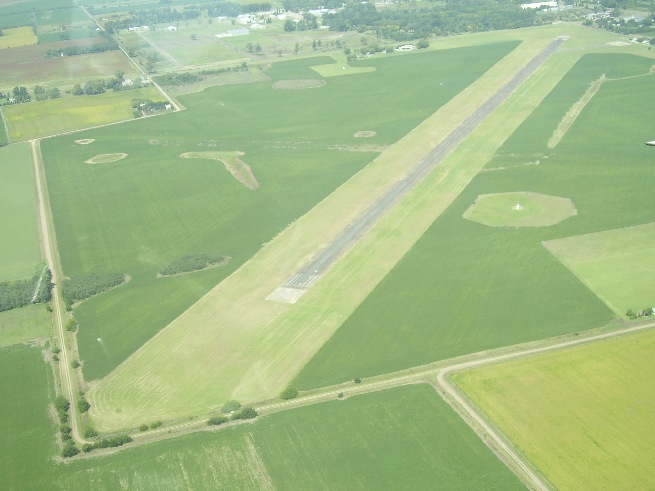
(151, 16)
(142, 107)
(191, 262)
(177, 79)
(289, 393)
(14, 294)
(308, 22)
(231, 9)
(242, 67)
(44, 93)
(298, 5)
(217, 420)
(82, 287)
(441, 19)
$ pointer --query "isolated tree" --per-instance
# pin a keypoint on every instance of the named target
(289, 393)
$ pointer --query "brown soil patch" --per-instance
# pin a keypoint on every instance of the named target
(85, 141)
(298, 84)
(233, 164)
(106, 158)
(365, 134)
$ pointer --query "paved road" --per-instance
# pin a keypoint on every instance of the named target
(311, 272)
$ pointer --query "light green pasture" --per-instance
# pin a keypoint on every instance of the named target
(583, 416)
(617, 265)
(519, 209)
(24, 324)
(20, 251)
(55, 116)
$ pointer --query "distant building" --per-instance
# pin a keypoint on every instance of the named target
(171, 28)
(538, 5)
(405, 47)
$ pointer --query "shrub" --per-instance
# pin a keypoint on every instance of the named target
(245, 413)
(70, 450)
(340, 395)
(156, 424)
(83, 405)
(90, 432)
(230, 406)
(144, 427)
(289, 393)
(357, 380)
(87, 447)
(62, 404)
(217, 420)
(75, 364)
(115, 441)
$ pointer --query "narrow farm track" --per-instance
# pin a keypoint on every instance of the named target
(49, 251)
(439, 378)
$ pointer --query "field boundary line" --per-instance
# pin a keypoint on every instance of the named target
(51, 254)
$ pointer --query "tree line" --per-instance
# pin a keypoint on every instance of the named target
(19, 293)
(110, 45)
(439, 19)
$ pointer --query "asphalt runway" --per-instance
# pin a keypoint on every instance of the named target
(319, 264)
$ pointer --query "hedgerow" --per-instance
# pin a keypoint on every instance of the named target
(191, 262)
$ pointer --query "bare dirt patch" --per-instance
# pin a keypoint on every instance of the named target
(360, 148)
(365, 134)
(618, 43)
(106, 158)
(85, 141)
(233, 164)
(298, 84)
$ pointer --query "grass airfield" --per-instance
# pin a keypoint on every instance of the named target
(208, 199)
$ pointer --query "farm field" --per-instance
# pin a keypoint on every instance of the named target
(27, 429)
(16, 37)
(581, 415)
(19, 249)
(617, 265)
(398, 438)
(467, 287)
(24, 324)
(27, 65)
(38, 119)
(287, 158)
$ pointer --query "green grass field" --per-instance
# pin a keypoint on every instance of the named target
(465, 287)
(19, 249)
(617, 265)
(38, 119)
(582, 415)
(104, 223)
(24, 324)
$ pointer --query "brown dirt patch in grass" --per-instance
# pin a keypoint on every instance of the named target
(85, 141)
(365, 134)
(233, 164)
(106, 158)
(298, 84)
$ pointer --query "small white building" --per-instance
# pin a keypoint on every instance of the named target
(538, 5)
(171, 28)
(405, 47)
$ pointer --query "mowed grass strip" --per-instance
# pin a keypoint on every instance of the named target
(582, 416)
(254, 352)
(617, 265)
(19, 248)
(46, 118)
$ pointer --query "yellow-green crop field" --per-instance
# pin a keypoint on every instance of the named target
(38, 119)
(617, 265)
(24, 324)
(583, 416)
(17, 37)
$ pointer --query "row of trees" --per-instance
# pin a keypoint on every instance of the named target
(110, 45)
(100, 86)
(191, 262)
(19, 293)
